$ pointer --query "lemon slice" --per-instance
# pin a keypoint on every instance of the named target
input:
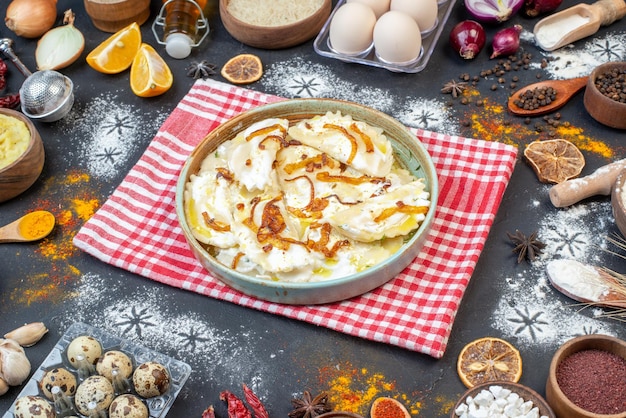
(554, 160)
(489, 359)
(243, 69)
(149, 74)
(117, 52)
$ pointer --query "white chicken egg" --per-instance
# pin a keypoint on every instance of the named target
(423, 11)
(397, 38)
(380, 7)
(351, 28)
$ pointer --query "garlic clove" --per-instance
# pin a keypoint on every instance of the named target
(28, 334)
(14, 365)
(4, 387)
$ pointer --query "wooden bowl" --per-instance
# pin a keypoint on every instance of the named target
(23, 172)
(113, 15)
(618, 202)
(524, 392)
(562, 406)
(275, 37)
(607, 111)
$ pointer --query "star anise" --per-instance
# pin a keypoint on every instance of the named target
(526, 247)
(454, 87)
(202, 69)
(309, 407)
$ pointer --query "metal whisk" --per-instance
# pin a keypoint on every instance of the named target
(45, 95)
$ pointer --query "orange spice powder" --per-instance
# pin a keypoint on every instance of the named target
(492, 122)
(354, 390)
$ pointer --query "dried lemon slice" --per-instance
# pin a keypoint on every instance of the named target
(489, 359)
(554, 160)
(243, 69)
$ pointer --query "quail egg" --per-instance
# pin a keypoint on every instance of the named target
(33, 407)
(114, 360)
(128, 406)
(60, 377)
(93, 395)
(151, 379)
(86, 346)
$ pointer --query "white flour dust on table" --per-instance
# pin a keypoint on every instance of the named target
(107, 133)
(151, 316)
(533, 313)
(579, 59)
(298, 78)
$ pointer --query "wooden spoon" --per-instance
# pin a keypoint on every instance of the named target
(565, 90)
(558, 29)
(42, 221)
(584, 283)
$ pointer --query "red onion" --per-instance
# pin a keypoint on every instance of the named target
(493, 11)
(506, 41)
(467, 38)
(534, 8)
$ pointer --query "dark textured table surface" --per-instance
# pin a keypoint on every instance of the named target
(89, 152)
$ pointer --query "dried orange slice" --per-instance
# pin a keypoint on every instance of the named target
(149, 74)
(489, 359)
(554, 160)
(116, 53)
(243, 69)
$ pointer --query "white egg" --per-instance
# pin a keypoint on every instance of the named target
(397, 38)
(380, 7)
(351, 28)
(423, 11)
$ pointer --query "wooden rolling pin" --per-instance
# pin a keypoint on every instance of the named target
(599, 182)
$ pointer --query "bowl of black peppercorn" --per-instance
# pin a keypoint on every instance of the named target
(605, 94)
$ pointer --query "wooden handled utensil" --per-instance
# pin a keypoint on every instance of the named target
(599, 182)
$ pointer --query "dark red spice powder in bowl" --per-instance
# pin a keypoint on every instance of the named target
(587, 378)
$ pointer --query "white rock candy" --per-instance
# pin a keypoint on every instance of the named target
(497, 402)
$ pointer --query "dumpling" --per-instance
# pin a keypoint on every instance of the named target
(252, 154)
(385, 216)
(357, 144)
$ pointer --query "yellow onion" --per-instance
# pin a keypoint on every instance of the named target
(61, 46)
(31, 18)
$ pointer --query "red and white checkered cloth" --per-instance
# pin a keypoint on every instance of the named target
(137, 228)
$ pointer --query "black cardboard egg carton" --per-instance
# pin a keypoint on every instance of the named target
(157, 406)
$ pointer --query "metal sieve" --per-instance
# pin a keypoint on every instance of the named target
(45, 95)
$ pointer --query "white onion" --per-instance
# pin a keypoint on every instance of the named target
(61, 46)
(31, 18)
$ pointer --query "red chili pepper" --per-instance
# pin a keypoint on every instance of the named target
(236, 407)
(3, 70)
(209, 412)
(254, 402)
(10, 100)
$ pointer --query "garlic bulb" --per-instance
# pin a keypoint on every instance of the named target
(28, 334)
(14, 365)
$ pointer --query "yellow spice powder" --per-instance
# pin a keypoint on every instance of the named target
(14, 139)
